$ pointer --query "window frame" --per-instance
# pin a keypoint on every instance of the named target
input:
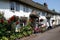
(43, 14)
(12, 5)
(17, 6)
(25, 9)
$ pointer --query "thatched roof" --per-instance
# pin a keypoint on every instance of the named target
(36, 5)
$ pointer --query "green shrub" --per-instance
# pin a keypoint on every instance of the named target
(19, 35)
(25, 33)
(12, 37)
(4, 38)
(29, 32)
(7, 29)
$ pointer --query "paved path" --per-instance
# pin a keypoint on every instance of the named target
(53, 34)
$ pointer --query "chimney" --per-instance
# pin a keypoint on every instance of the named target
(29, 0)
(53, 10)
(45, 5)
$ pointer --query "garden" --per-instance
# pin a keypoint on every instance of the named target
(16, 28)
(10, 29)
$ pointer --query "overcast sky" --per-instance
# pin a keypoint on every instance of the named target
(52, 4)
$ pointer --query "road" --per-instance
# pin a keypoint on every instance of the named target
(53, 34)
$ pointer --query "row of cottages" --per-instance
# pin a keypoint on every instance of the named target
(24, 8)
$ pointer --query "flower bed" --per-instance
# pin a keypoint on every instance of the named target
(8, 27)
(11, 29)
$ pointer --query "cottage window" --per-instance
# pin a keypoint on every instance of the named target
(12, 5)
(25, 9)
(39, 13)
(17, 7)
(43, 14)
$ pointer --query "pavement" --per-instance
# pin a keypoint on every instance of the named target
(53, 34)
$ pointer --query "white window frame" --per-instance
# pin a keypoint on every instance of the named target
(25, 9)
(44, 14)
(15, 5)
(12, 5)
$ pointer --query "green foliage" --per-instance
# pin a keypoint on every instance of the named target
(16, 36)
(4, 38)
(12, 37)
(27, 30)
(25, 33)
(19, 35)
(5, 22)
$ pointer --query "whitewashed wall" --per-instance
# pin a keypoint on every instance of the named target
(5, 7)
(56, 18)
(22, 13)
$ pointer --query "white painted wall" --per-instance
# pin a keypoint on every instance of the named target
(56, 18)
(22, 13)
(5, 7)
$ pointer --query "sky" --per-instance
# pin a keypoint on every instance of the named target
(52, 4)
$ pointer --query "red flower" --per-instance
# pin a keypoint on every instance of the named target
(1, 21)
(17, 22)
(12, 18)
(9, 21)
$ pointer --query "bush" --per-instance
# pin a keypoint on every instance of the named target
(4, 38)
(7, 29)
